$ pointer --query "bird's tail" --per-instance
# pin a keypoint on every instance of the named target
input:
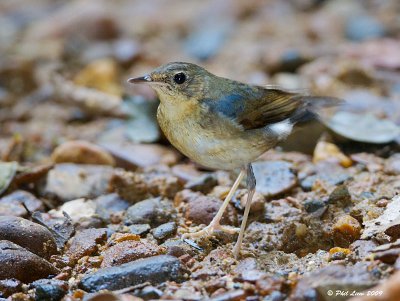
(312, 108)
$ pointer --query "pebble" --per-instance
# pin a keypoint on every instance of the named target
(135, 187)
(34, 237)
(110, 204)
(49, 289)
(202, 209)
(131, 156)
(17, 262)
(330, 174)
(178, 247)
(129, 250)
(77, 209)
(364, 27)
(67, 182)
(81, 152)
(11, 204)
(165, 231)
(345, 231)
(274, 177)
(326, 151)
(9, 287)
(204, 183)
(344, 278)
(139, 229)
(257, 202)
(314, 205)
(85, 243)
(340, 196)
(156, 270)
(155, 211)
(392, 165)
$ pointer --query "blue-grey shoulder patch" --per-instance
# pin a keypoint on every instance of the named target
(231, 105)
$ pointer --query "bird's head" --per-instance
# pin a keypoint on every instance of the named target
(177, 81)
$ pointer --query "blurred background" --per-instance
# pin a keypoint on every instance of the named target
(64, 65)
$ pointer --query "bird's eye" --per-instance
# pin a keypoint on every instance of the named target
(180, 78)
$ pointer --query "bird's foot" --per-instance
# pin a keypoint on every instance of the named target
(209, 231)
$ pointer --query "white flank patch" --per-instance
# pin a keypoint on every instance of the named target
(282, 129)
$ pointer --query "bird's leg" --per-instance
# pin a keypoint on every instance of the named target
(215, 223)
(251, 187)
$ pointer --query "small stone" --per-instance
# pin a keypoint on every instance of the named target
(392, 165)
(9, 287)
(17, 262)
(326, 151)
(363, 27)
(129, 250)
(274, 177)
(361, 249)
(11, 204)
(81, 152)
(165, 231)
(86, 242)
(234, 295)
(340, 196)
(77, 209)
(29, 235)
(177, 248)
(337, 253)
(204, 183)
(132, 156)
(156, 270)
(202, 209)
(314, 205)
(257, 202)
(67, 182)
(346, 230)
(328, 173)
(50, 289)
(109, 205)
(102, 75)
(154, 212)
(140, 229)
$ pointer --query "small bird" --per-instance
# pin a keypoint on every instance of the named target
(225, 124)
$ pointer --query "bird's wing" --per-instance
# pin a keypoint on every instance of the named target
(256, 107)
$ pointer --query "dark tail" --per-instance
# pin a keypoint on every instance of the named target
(312, 107)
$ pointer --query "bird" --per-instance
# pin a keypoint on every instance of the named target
(225, 124)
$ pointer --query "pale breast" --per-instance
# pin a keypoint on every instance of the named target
(212, 141)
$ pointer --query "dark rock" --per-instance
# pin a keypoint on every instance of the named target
(68, 182)
(155, 270)
(140, 229)
(314, 205)
(177, 247)
(329, 173)
(29, 235)
(392, 165)
(85, 243)
(274, 177)
(129, 250)
(165, 231)
(334, 277)
(204, 183)
(364, 27)
(340, 196)
(109, 204)
(202, 209)
(11, 204)
(154, 212)
(61, 227)
(9, 287)
(17, 262)
(49, 289)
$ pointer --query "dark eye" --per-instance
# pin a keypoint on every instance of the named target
(180, 78)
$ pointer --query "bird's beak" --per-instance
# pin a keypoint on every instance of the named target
(141, 80)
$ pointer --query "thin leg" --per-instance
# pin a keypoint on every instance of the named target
(251, 187)
(215, 223)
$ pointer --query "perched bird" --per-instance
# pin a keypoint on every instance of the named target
(225, 124)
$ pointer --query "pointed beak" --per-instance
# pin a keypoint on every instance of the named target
(141, 80)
